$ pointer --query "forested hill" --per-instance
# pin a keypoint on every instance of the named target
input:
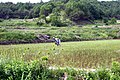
(74, 10)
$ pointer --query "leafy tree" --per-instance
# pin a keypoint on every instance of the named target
(46, 9)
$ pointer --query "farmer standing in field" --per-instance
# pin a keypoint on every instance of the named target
(57, 41)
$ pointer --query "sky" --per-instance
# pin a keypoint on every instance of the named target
(15, 1)
(32, 1)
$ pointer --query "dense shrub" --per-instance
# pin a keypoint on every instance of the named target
(17, 70)
(115, 70)
(36, 70)
(105, 20)
(55, 20)
(113, 21)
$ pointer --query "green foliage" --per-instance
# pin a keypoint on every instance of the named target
(113, 21)
(105, 20)
(16, 23)
(103, 74)
(92, 76)
(3, 30)
(55, 20)
(19, 70)
(80, 34)
(46, 9)
(19, 10)
(44, 58)
(16, 36)
(35, 70)
(115, 70)
(74, 10)
(39, 23)
(42, 16)
(65, 34)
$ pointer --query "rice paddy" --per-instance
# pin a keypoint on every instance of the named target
(84, 54)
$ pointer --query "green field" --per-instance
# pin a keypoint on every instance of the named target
(84, 54)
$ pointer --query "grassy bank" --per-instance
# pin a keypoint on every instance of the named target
(64, 33)
(14, 31)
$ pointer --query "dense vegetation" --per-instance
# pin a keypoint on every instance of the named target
(36, 71)
(62, 12)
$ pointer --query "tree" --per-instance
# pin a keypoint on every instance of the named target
(46, 9)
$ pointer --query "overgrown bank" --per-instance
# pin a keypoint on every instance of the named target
(65, 34)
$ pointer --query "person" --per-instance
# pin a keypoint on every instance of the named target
(57, 41)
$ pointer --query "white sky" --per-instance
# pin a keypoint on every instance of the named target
(15, 1)
(32, 1)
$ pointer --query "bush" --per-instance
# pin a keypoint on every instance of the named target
(105, 20)
(3, 30)
(113, 21)
(36, 70)
(103, 74)
(115, 71)
(18, 70)
(56, 21)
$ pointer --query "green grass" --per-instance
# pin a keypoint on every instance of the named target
(75, 32)
(87, 54)
(9, 30)
(18, 24)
